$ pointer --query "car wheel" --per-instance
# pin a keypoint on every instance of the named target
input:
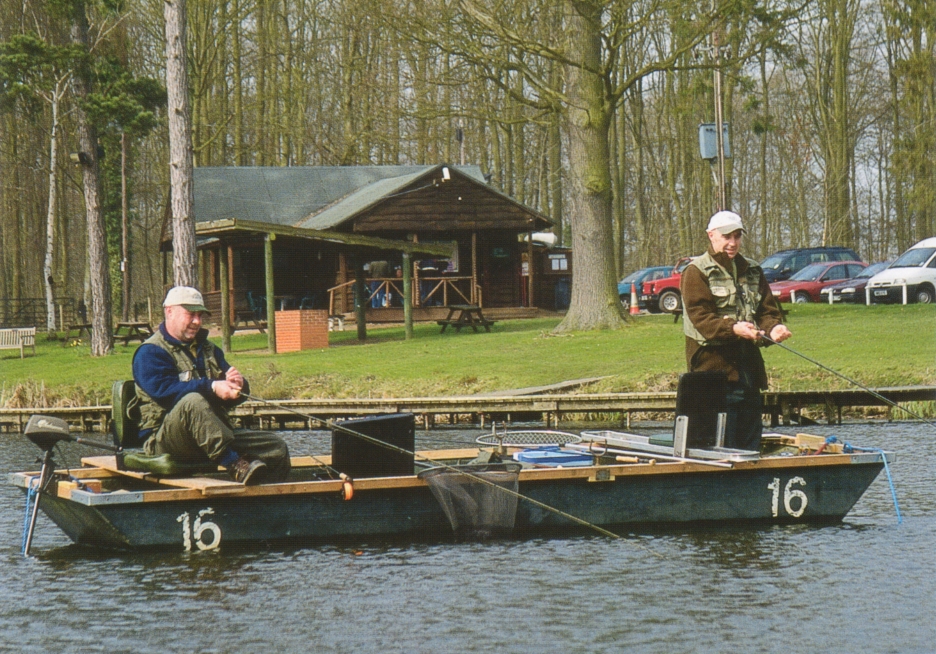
(924, 295)
(801, 298)
(670, 302)
(625, 302)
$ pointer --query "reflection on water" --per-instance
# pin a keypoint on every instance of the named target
(867, 584)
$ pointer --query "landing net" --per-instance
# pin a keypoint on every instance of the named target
(473, 498)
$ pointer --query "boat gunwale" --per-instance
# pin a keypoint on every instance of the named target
(68, 489)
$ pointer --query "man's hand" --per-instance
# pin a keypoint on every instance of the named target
(234, 377)
(780, 333)
(746, 330)
(225, 389)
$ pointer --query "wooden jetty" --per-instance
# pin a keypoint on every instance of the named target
(784, 407)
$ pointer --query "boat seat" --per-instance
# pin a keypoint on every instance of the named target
(125, 428)
(701, 411)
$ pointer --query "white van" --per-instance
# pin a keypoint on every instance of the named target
(911, 278)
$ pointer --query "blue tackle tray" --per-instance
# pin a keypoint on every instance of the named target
(553, 456)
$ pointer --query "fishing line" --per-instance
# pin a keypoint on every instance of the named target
(849, 380)
(332, 425)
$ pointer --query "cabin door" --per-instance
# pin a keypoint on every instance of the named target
(499, 263)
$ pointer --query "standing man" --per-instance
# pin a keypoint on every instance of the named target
(186, 388)
(728, 308)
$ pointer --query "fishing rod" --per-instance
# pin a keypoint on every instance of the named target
(376, 441)
(849, 380)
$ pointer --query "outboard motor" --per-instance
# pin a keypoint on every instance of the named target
(46, 432)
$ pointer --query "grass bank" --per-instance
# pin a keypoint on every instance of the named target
(877, 346)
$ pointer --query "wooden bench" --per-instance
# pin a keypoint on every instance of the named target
(18, 338)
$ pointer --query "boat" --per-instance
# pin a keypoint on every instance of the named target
(614, 482)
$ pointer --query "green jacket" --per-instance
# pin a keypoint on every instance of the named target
(736, 297)
(151, 413)
(713, 303)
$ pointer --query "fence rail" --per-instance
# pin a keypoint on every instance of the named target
(32, 312)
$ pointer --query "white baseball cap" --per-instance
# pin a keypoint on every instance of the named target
(187, 297)
(725, 222)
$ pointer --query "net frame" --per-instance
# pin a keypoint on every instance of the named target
(529, 438)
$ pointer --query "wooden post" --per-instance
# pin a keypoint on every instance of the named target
(342, 291)
(530, 269)
(360, 298)
(408, 295)
(229, 255)
(225, 301)
(270, 299)
(417, 291)
(474, 269)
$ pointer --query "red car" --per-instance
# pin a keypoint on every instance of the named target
(805, 285)
(663, 294)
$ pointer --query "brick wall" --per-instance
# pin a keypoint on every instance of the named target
(301, 330)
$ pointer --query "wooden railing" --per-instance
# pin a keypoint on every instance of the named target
(446, 287)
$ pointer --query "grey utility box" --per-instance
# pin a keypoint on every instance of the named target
(708, 141)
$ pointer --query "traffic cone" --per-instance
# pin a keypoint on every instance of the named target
(634, 308)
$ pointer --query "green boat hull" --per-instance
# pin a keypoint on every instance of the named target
(768, 491)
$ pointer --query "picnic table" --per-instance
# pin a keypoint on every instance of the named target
(127, 331)
(79, 328)
(465, 315)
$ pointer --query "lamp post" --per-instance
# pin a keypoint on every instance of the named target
(720, 195)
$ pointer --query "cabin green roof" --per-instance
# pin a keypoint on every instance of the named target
(308, 197)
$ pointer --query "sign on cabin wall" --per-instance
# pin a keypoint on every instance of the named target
(558, 262)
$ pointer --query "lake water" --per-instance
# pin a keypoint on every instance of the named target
(866, 585)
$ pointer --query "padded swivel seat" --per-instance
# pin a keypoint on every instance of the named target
(125, 428)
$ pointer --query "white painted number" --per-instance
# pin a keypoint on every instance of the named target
(197, 531)
(789, 493)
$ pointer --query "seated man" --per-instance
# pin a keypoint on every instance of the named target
(185, 389)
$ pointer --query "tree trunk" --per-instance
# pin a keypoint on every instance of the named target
(102, 340)
(594, 303)
(837, 126)
(51, 210)
(554, 157)
(184, 252)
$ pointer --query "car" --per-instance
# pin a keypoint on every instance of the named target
(786, 263)
(805, 285)
(852, 290)
(637, 278)
(663, 294)
(911, 278)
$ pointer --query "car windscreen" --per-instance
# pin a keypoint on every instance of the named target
(871, 270)
(630, 278)
(774, 261)
(915, 258)
(810, 273)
